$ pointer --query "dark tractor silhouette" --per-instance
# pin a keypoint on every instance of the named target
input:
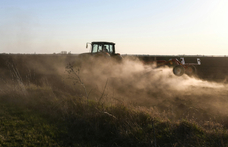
(102, 49)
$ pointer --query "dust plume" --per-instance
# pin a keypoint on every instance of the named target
(129, 82)
(182, 97)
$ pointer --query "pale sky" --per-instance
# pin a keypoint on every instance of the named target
(154, 27)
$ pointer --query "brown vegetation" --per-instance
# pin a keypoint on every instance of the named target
(112, 104)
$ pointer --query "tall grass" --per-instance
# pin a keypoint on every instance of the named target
(89, 123)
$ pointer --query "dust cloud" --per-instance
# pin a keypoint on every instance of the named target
(129, 82)
(157, 88)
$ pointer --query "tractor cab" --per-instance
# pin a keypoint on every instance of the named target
(97, 47)
(105, 48)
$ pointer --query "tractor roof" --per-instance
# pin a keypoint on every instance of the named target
(103, 42)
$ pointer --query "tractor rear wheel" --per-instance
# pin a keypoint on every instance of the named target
(178, 70)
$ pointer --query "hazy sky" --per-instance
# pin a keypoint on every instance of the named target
(155, 27)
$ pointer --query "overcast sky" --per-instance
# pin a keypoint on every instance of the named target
(155, 27)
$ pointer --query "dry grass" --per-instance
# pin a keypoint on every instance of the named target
(90, 123)
(73, 115)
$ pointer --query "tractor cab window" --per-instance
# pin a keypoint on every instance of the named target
(109, 48)
(96, 48)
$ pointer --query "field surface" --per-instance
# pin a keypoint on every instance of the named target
(60, 100)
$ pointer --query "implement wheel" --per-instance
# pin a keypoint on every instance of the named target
(178, 70)
(190, 70)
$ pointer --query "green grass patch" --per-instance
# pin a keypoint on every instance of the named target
(20, 126)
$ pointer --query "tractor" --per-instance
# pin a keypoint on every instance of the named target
(102, 49)
(106, 51)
